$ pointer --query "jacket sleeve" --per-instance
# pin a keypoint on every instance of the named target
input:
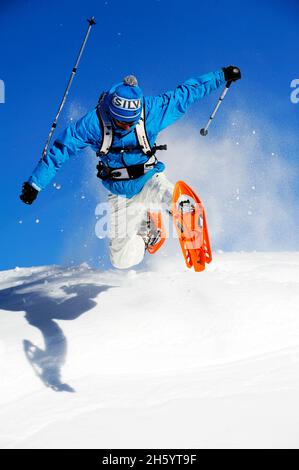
(85, 132)
(167, 108)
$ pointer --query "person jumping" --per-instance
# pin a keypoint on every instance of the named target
(123, 129)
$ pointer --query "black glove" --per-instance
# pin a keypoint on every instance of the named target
(29, 194)
(232, 73)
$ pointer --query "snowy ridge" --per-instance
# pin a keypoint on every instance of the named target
(158, 358)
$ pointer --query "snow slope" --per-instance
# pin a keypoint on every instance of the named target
(163, 358)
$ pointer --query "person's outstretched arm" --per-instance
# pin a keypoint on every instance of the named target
(85, 132)
(167, 108)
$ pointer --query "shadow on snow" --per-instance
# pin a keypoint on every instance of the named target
(41, 311)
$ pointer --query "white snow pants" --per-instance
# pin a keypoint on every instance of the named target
(127, 246)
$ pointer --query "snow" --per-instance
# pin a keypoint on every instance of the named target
(156, 358)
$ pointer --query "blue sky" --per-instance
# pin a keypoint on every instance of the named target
(163, 43)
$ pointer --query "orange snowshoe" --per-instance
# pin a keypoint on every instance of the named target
(191, 226)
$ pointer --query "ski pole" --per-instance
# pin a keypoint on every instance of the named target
(91, 22)
(204, 130)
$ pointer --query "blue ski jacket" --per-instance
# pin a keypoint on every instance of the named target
(160, 112)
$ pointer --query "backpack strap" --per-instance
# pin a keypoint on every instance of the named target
(107, 128)
(140, 130)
